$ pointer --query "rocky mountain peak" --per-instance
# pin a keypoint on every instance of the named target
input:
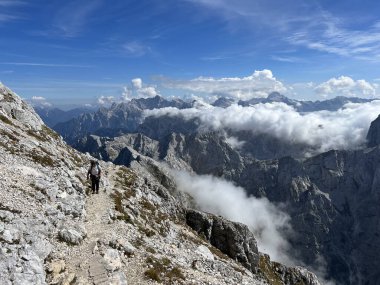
(277, 97)
(223, 102)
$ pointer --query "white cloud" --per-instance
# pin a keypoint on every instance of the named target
(234, 142)
(223, 198)
(106, 100)
(259, 84)
(40, 101)
(346, 86)
(138, 90)
(137, 83)
(322, 131)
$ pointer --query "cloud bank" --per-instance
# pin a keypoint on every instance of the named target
(322, 131)
(262, 82)
(220, 197)
(259, 84)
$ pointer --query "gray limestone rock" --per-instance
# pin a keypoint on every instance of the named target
(112, 259)
(72, 236)
(118, 278)
(233, 239)
(122, 245)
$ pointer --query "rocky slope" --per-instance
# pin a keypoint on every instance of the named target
(138, 230)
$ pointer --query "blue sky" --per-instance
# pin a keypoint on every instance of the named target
(79, 51)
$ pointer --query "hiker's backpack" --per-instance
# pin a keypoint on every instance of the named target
(95, 170)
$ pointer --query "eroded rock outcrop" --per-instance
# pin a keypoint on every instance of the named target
(233, 239)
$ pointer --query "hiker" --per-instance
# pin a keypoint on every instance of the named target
(94, 172)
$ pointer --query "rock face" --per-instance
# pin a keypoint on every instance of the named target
(132, 232)
(373, 136)
(236, 241)
(233, 239)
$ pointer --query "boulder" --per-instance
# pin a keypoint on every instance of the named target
(231, 238)
(71, 236)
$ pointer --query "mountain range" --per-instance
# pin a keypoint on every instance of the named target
(138, 230)
(332, 197)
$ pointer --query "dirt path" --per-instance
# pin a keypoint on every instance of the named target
(85, 259)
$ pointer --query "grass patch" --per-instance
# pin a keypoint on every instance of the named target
(6, 208)
(267, 270)
(125, 177)
(39, 189)
(8, 97)
(148, 205)
(148, 232)
(151, 273)
(217, 252)
(137, 243)
(162, 270)
(36, 135)
(11, 136)
(126, 218)
(175, 274)
(118, 202)
(44, 160)
(194, 238)
(5, 120)
(47, 132)
(44, 134)
(150, 250)
(8, 148)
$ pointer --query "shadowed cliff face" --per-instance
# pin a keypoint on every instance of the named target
(373, 136)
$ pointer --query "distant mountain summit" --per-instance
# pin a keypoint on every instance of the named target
(223, 102)
(119, 118)
(52, 115)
